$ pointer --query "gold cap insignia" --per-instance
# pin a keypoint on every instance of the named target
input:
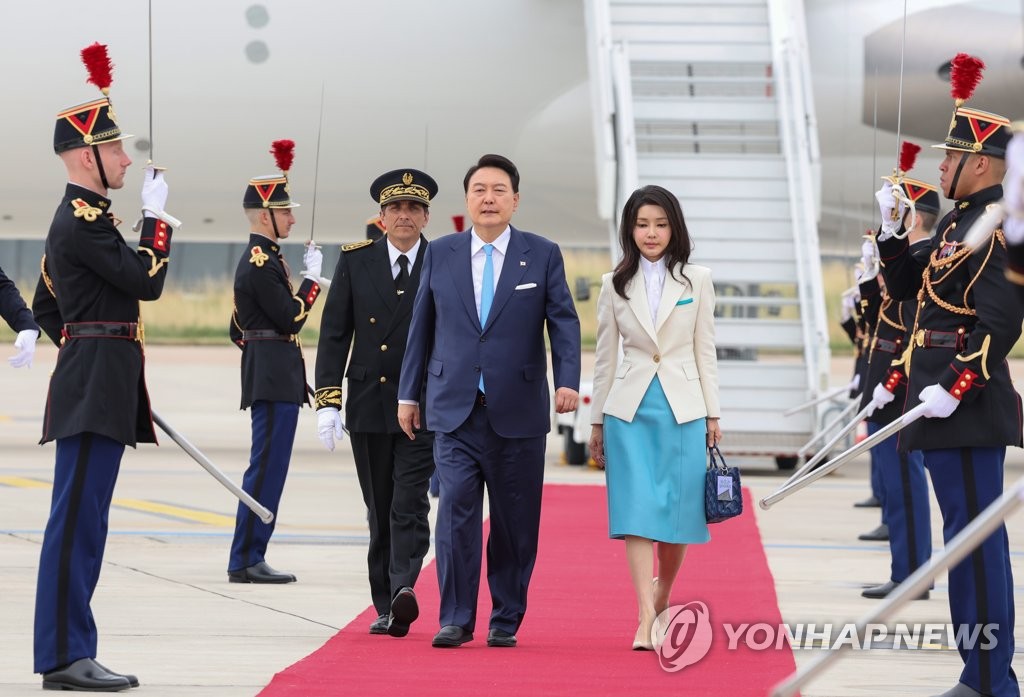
(407, 178)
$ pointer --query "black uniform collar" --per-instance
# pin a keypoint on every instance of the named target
(95, 200)
(979, 199)
(263, 241)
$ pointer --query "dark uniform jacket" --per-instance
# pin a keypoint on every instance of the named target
(363, 303)
(13, 308)
(966, 323)
(870, 301)
(90, 275)
(266, 305)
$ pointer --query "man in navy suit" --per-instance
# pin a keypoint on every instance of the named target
(477, 338)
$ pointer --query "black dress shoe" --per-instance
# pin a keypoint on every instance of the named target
(879, 534)
(960, 690)
(869, 502)
(379, 625)
(451, 636)
(883, 591)
(84, 675)
(499, 637)
(132, 680)
(260, 573)
(404, 611)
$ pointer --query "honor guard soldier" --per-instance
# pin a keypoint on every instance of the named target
(19, 319)
(956, 365)
(369, 307)
(87, 302)
(268, 314)
(905, 506)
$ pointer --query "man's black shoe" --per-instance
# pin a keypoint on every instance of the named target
(404, 611)
(869, 502)
(84, 675)
(132, 680)
(883, 591)
(879, 534)
(450, 637)
(499, 637)
(260, 573)
(379, 625)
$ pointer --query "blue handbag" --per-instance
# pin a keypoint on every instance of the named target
(723, 495)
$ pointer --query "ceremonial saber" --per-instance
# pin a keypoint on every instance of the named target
(840, 460)
(847, 410)
(831, 394)
(956, 550)
(150, 81)
(823, 453)
(316, 164)
(265, 515)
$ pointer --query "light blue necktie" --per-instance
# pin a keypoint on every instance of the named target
(486, 295)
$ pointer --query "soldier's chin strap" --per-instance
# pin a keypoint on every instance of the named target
(273, 222)
(956, 175)
(99, 166)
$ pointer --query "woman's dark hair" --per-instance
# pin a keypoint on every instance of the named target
(679, 246)
(497, 161)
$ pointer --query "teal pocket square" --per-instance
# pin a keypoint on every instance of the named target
(685, 301)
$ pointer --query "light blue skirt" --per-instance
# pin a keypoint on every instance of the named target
(655, 472)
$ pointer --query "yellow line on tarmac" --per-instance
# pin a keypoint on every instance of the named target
(24, 482)
(175, 512)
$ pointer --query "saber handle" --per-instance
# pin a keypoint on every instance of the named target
(840, 460)
(265, 515)
(842, 416)
(823, 453)
(831, 394)
(956, 550)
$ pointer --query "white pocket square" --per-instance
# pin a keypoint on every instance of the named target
(526, 286)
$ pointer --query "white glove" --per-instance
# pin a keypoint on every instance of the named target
(1013, 230)
(855, 383)
(886, 205)
(1013, 182)
(26, 345)
(869, 258)
(879, 398)
(329, 426)
(154, 192)
(938, 404)
(314, 261)
(849, 305)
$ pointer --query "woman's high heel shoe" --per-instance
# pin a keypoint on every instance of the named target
(642, 640)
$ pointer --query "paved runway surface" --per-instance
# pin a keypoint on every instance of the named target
(166, 612)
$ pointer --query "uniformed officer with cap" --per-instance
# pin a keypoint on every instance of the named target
(87, 302)
(905, 503)
(19, 319)
(268, 314)
(369, 307)
(962, 331)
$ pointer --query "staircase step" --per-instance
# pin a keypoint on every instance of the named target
(742, 212)
(691, 12)
(674, 51)
(747, 110)
(747, 189)
(694, 34)
(657, 169)
(720, 230)
(759, 333)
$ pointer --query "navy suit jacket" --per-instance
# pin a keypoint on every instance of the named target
(449, 349)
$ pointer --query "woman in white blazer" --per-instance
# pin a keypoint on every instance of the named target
(656, 409)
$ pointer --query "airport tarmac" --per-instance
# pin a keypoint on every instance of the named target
(166, 612)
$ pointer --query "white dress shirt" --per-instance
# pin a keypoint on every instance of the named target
(654, 280)
(478, 257)
(394, 252)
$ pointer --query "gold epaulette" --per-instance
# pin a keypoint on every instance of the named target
(85, 211)
(259, 257)
(351, 246)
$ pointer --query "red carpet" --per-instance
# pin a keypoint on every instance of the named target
(578, 629)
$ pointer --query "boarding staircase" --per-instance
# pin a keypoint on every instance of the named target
(711, 99)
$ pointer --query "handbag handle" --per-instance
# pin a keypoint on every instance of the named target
(719, 462)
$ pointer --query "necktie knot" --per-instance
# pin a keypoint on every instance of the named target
(488, 248)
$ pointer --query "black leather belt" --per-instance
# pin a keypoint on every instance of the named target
(933, 338)
(481, 398)
(265, 335)
(100, 330)
(887, 346)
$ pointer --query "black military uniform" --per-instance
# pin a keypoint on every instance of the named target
(87, 302)
(268, 314)
(369, 307)
(13, 308)
(962, 331)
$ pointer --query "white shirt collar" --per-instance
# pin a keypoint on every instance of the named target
(394, 252)
(501, 244)
(653, 270)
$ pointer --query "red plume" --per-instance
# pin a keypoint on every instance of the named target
(908, 155)
(97, 62)
(283, 152)
(460, 221)
(964, 76)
